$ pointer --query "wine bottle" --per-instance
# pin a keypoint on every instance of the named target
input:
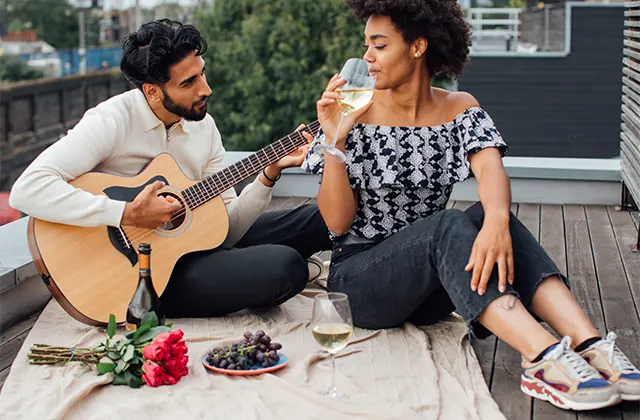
(145, 299)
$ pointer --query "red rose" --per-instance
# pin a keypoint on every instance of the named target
(175, 336)
(172, 336)
(157, 350)
(177, 367)
(170, 380)
(154, 375)
(178, 349)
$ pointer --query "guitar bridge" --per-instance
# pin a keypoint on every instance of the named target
(121, 242)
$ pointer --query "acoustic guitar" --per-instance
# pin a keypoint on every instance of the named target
(92, 271)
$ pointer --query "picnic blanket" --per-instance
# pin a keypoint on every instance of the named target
(402, 373)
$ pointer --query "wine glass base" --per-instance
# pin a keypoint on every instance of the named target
(334, 393)
(333, 151)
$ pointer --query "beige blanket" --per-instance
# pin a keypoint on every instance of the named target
(405, 373)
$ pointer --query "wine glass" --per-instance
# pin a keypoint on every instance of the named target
(332, 327)
(357, 92)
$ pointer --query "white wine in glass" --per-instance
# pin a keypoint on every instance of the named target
(354, 98)
(332, 326)
(357, 92)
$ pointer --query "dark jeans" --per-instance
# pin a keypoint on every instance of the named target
(264, 269)
(418, 275)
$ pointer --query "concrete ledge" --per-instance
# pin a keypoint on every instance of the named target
(21, 290)
(524, 167)
(533, 180)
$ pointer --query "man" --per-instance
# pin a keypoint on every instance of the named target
(262, 261)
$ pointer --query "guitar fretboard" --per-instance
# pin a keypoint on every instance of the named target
(213, 185)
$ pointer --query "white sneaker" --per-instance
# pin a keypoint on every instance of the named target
(567, 381)
(316, 268)
(614, 366)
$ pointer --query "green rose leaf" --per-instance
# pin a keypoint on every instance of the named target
(113, 355)
(132, 380)
(150, 335)
(122, 344)
(119, 379)
(121, 366)
(112, 327)
(129, 353)
(105, 365)
(141, 330)
(151, 319)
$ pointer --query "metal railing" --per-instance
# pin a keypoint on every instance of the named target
(494, 29)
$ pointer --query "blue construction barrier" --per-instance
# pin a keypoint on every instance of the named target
(96, 58)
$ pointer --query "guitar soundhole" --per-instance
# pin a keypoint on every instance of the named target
(179, 217)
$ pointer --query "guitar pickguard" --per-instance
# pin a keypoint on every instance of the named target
(118, 237)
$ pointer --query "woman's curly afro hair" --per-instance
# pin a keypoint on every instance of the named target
(441, 22)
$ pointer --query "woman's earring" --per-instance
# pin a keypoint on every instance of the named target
(417, 55)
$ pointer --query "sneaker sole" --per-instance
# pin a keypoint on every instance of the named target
(540, 390)
(630, 397)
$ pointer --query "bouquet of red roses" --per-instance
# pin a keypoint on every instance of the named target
(152, 354)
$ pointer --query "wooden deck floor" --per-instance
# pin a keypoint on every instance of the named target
(592, 244)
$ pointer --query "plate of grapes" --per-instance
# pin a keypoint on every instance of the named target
(254, 355)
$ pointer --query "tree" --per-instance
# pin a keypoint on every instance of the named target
(55, 21)
(14, 70)
(269, 61)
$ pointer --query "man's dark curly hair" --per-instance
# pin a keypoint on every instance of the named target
(441, 22)
(149, 52)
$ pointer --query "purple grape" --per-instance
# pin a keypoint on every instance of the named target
(248, 335)
(265, 340)
(259, 334)
(260, 356)
(232, 366)
(266, 364)
(223, 364)
(276, 346)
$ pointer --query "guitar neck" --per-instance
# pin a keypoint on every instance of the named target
(213, 185)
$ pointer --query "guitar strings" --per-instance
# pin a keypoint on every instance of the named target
(201, 199)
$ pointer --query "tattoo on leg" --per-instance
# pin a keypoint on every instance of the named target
(507, 303)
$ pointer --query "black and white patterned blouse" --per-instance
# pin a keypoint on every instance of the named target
(403, 174)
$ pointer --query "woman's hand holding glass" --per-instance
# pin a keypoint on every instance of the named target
(336, 121)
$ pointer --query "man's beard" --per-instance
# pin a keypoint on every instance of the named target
(188, 114)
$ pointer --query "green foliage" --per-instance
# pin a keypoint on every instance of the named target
(55, 21)
(269, 61)
(12, 69)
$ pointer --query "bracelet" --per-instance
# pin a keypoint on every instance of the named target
(264, 173)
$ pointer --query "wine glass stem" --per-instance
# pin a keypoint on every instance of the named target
(332, 384)
(335, 136)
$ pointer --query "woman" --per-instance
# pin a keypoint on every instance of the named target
(401, 256)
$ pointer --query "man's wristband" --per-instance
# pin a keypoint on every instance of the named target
(264, 172)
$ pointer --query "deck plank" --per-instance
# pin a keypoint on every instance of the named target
(626, 234)
(582, 272)
(10, 342)
(614, 288)
(552, 239)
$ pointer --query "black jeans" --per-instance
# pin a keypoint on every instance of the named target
(418, 275)
(264, 269)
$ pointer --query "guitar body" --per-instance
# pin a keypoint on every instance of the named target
(93, 272)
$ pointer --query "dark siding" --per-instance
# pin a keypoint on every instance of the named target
(558, 107)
